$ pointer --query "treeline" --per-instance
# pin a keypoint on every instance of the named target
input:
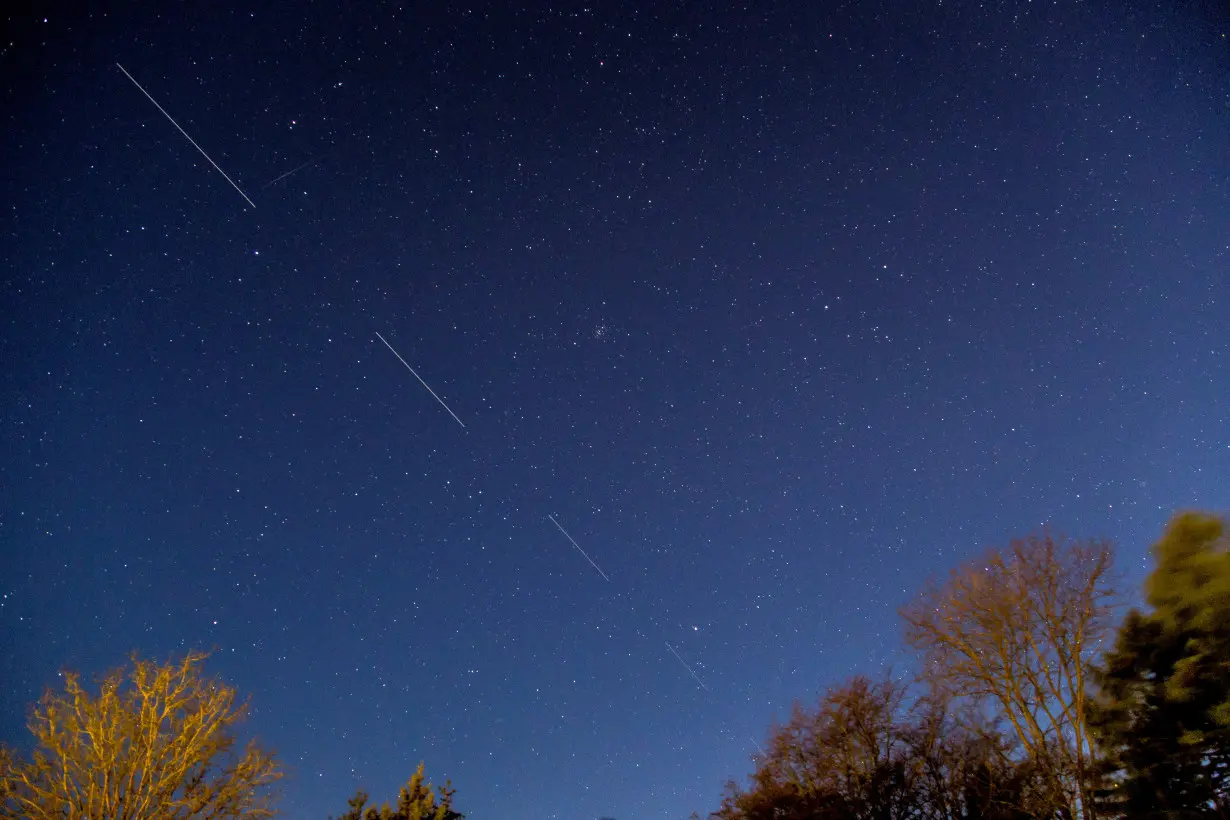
(1030, 699)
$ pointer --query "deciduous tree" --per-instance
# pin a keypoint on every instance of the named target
(846, 758)
(1017, 630)
(156, 741)
(966, 767)
(869, 751)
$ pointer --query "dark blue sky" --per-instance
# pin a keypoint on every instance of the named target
(776, 311)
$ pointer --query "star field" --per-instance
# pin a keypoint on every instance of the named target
(774, 310)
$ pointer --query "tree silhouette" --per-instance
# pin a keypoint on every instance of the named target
(1163, 711)
(418, 800)
(868, 751)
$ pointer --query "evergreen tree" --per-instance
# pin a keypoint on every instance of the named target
(1163, 708)
(418, 800)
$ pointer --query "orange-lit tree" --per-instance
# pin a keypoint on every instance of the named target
(1017, 630)
(156, 741)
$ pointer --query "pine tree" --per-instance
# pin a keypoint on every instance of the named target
(1163, 706)
(418, 800)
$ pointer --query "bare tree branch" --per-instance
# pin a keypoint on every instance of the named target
(157, 741)
(1018, 629)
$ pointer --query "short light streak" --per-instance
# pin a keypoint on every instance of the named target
(578, 546)
(696, 678)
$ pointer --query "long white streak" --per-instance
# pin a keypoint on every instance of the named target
(185, 133)
(699, 682)
(578, 546)
(420, 378)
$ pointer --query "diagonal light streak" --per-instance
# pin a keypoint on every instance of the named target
(578, 546)
(420, 378)
(185, 133)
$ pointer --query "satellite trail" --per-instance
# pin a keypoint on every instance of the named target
(420, 378)
(185, 133)
(699, 682)
(578, 546)
(291, 171)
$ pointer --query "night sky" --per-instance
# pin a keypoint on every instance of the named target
(775, 309)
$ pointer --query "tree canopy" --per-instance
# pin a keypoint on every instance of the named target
(156, 741)
(1016, 630)
(872, 750)
(1163, 711)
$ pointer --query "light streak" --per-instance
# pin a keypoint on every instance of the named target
(699, 682)
(578, 546)
(420, 378)
(185, 133)
(291, 171)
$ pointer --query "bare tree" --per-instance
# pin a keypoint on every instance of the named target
(871, 751)
(157, 741)
(1018, 629)
(847, 758)
(968, 768)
